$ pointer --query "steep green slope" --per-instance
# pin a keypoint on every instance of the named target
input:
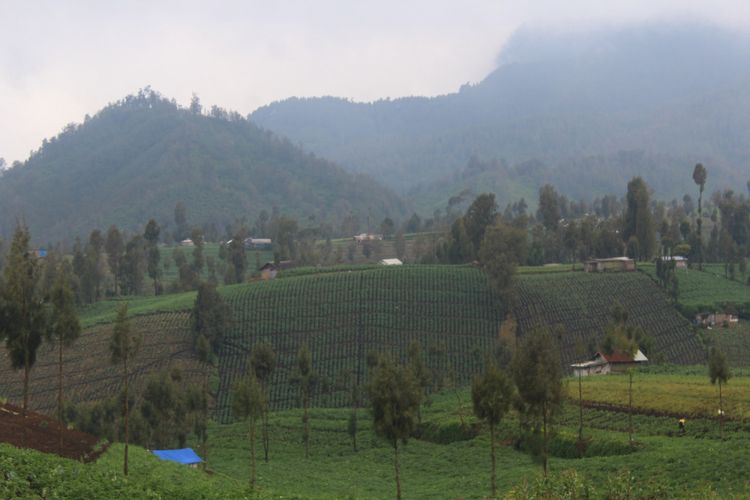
(581, 303)
(139, 157)
(593, 107)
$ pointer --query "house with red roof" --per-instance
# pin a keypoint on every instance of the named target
(602, 364)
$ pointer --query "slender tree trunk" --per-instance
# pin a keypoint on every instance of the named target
(354, 435)
(700, 226)
(396, 466)
(264, 430)
(460, 409)
(544, 437)
(204, 436)
(60, 393)
(25, 383)
(127, 419)
(492, 455)
(721, 414)
(25, 398)
(252, 453)
(580, 407)
(630, 408)
(306, 416)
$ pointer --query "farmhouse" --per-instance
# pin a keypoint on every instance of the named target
(602, 364)
(269, 270)
(258, 243)
(182, 456)
(391, 262)
(367, 237)
(711, 320)
(614, 264)
(679, 261)
(187, 242)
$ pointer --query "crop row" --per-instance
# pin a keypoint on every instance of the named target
(581, 304)
(342, 317)
(87, 371)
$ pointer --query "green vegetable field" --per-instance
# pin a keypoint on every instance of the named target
(344, 316)
(581, 304)
(88, 372)
(707, 290)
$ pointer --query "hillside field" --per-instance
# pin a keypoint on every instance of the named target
(344, 316)
(345, 313)
(582, 302)
(706, 291)
(691, 395)
(88, 373)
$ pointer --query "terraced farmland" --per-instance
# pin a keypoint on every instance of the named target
(344, 316)
(581, 303)
(87, 371)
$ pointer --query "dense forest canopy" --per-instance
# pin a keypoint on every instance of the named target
(584, 111)
(140, 157)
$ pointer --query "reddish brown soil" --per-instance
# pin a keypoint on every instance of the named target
(42, 433)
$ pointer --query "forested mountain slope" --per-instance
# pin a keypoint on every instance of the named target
(586, 109)
(138, 158)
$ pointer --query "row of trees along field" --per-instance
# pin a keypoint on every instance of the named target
(33, 311)
(117, 263)
(527, 379)
(396, 392)
(637, 225)
(716, 229)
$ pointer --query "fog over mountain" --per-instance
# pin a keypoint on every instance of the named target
(586, 109)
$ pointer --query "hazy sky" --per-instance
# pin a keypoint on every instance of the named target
(62, 59)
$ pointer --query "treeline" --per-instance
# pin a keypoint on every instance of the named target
(636, 225)
(121, 263)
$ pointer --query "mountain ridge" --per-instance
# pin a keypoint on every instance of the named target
(137, 158)
(555, 98)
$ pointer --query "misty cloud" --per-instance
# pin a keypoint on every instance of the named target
(60, 61)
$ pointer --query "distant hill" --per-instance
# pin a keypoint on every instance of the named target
(587, 110)
(139, 157)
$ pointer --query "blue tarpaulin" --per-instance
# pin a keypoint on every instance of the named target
(183, 456)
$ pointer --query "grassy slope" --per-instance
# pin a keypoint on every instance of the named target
(677, 466)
